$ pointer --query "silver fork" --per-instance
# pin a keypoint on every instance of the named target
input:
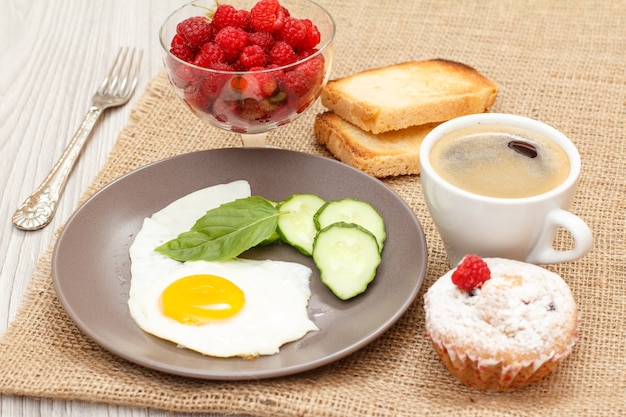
(116, 89)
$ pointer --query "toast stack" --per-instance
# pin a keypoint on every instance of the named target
(378, 118)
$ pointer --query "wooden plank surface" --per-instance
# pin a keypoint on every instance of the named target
(53, 55)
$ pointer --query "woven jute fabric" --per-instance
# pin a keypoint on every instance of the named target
(560, 62)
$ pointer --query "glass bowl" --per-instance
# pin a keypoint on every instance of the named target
(239, 94)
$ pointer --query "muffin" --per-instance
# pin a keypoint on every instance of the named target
(499, 324)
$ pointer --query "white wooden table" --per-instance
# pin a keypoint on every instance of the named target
(53, 55)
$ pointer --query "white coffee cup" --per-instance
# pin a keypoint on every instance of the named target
(516, 228)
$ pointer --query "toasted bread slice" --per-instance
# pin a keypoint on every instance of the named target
(409, 94)
(382, 155)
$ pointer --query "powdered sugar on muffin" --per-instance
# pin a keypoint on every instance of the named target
(523, 315)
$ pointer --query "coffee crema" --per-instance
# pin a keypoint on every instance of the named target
(500, 161)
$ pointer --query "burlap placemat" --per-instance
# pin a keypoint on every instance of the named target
(560, 62)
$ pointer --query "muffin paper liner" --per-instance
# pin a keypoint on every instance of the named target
(492, 375)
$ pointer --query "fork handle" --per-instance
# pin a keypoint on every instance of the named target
(39, 209)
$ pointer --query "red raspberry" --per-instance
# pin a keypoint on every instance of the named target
(471, 273)
(282, 54)
(232, 40)
(212, 84)
(265, 82)
(209, 54)
(295, 83)
(221, 66)
(185, 77)
(209, 89)
(252, 56)
(313, 69)
(181, 49)
(305, 53)
(264, 39)
(293, 31)
(196, 30)
(239, 84)
(227, 15)
(312, 36)
(267, 16)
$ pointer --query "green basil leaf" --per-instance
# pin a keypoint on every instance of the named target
(225, 232)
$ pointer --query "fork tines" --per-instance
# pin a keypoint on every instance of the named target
(124, 71)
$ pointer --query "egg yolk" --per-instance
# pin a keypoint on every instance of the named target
(199, 299)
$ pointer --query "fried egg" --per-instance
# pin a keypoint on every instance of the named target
(239, 307)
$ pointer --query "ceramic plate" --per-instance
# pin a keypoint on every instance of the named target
(91, 264)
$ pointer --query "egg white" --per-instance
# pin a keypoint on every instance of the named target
(276, 292)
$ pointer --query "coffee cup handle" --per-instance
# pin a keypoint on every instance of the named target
(543, 251)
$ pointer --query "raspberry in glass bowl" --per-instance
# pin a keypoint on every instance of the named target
(248, 66)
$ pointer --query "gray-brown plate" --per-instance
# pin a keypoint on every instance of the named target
(91, 264)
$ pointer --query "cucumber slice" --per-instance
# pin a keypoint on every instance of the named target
(295, 224)
(350, 210)
(347, 256)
